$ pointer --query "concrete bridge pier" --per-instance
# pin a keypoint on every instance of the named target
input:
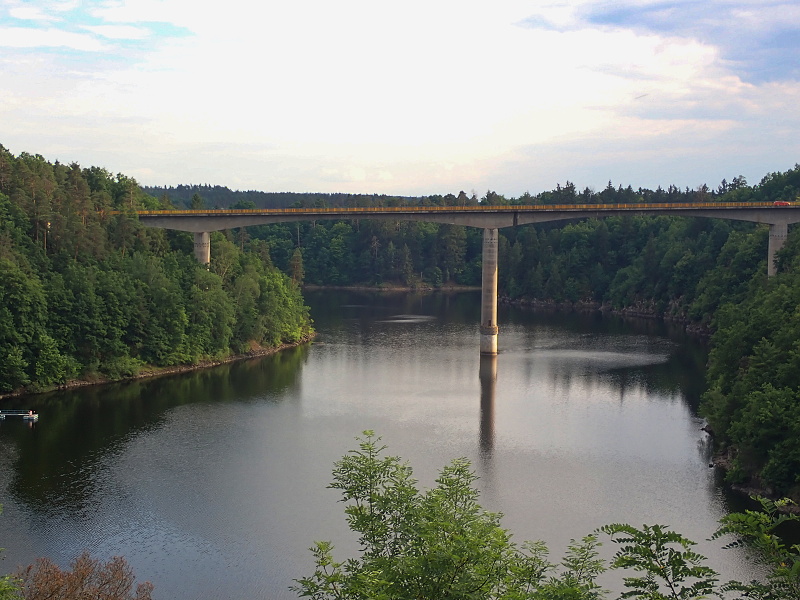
(489, 293)
(202, 247)
(777, 237)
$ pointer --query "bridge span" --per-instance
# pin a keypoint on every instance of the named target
(489, 218)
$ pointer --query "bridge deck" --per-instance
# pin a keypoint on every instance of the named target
(471, 216)
(350, 210)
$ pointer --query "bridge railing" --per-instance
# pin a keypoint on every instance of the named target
(461, 209)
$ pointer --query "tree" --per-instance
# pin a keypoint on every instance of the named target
(435, 544)
(197, 202)
(296, 267)
(671, 569)
(89, 578)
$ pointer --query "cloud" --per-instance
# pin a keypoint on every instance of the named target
(118, 32)
(29, 13)
(23, 37)
(761, 40)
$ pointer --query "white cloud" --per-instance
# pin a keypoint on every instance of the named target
(23, 37)
(29, 13)
(178, 12)
(118, 32)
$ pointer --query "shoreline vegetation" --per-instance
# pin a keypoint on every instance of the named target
(150, 371)
(642, 310)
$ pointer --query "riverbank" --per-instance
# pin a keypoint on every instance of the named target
(753, 486)
(149, 371)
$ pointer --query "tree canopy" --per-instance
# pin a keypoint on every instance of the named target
(88, 294)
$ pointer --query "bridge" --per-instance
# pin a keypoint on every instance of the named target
(489, 218)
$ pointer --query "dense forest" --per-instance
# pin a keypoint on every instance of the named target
(217, 196)
(89, 294)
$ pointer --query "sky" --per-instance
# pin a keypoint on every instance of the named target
(405, 98)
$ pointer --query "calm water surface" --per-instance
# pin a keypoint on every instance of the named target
(213, 484)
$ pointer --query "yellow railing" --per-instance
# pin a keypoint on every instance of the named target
(474, 209)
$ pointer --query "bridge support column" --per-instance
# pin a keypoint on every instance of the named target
(202, 247)
(777, 237)
(489, 293)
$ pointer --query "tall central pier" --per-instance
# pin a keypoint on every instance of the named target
(489, 293)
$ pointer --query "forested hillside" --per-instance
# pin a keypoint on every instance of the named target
(217, 196)
(753, 402)
(89, 295)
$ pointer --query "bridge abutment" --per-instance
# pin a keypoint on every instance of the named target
(489, 293)
(777, 237)
(202, 247)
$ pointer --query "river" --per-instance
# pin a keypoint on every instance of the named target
(213, 483)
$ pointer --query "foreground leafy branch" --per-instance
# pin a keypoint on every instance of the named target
(757, 529)
(439, 544)
(666, 562)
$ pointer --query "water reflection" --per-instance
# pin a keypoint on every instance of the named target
(488, 378)
(87, 425)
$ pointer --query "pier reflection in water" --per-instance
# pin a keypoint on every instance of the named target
(488, 378)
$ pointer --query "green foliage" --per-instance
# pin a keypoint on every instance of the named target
(669, 568)
(665, 265)
(435, 544)
(9, 588)
(86, 294)
(754, 382)
(757, 529)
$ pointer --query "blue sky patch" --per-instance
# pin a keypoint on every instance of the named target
(760, 53)
(82, 19)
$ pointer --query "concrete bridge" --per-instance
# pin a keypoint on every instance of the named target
(489, 218)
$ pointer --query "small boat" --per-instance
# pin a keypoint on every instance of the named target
(27, 415)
